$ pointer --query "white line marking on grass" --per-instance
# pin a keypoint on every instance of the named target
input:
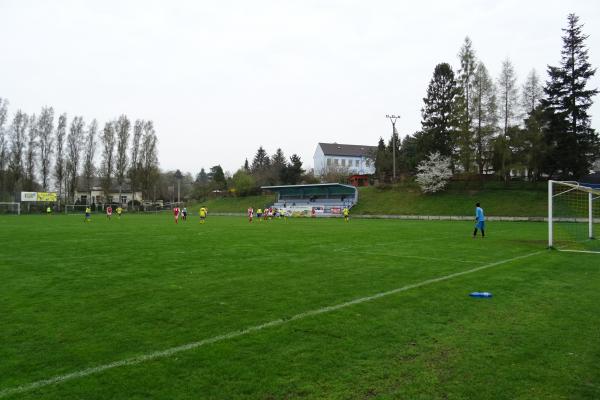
(581, 251)
(194, 345)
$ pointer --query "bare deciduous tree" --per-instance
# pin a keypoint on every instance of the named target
(18, 139)
(149, 158)
(46, 143)
(532, 92)
(59, 166)
(484, 114)
(74, 145)
(134, 169)
(30, 155)
(90, 152)
(3, 142)
(123, 131)
(508, 106)
(108, 152)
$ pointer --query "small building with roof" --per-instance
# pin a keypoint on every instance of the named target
(96, 194)
(355, 159)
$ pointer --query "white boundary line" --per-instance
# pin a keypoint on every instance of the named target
(581, 251)
(191, 346)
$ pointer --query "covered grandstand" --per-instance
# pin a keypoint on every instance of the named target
(323, 199)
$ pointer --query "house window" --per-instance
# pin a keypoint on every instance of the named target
(356, 162)
(368, 163)
(336, 161)
(343, 162)
(123, 199)
(328, 161)
(84, 199)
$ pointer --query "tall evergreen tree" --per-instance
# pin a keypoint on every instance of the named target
(218, 177)
(278, 166)
(382, 161)
(439, 120)
(574, 144)
(294, 170)
(260, 160)
(202, 177)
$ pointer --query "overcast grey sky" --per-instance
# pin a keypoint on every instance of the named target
(221, 78)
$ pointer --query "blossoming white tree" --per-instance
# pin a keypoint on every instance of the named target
(433, 173)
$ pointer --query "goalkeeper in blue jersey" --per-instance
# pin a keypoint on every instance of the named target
(479, 221)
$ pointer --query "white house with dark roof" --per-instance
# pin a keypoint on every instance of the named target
(350, 158)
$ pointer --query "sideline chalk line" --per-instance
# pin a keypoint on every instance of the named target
(281, 321)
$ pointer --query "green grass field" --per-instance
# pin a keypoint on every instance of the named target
(142, 308)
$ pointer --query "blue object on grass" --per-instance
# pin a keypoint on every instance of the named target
(480, 294)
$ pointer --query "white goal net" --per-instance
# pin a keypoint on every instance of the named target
(10, 208)
(573, 216)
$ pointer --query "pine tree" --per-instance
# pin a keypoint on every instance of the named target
(260, 160)
(382, 161)
(294, 170)
(278, 166)
(439, 119)
(574, 144)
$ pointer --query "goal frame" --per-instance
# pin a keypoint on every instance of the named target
(9, 203)
(592, 195)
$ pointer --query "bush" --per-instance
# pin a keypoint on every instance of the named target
(433, 173)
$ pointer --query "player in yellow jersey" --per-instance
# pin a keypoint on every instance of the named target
(49, 210)
(202, 213)
(119, 212)
(259, 213)
(346, 213)
(88, 214)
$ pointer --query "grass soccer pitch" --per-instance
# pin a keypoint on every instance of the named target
(141, 308)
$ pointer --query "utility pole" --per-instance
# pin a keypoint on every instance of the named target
(393, 118)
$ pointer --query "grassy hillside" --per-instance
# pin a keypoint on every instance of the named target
(497, 199)
(233, 204)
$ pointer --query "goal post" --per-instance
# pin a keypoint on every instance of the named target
(10, 208)
(573, 216)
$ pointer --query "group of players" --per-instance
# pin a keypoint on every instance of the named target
(267, 214)
(109, 213)
(183, 213)
(270, 212)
